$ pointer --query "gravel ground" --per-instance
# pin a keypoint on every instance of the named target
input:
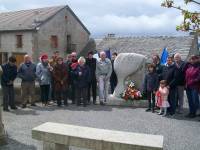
(179, 133)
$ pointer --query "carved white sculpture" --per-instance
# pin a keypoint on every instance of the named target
(131, 66)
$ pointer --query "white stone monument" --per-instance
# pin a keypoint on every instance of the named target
(128, 67)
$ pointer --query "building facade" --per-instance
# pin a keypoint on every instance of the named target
(38, 31)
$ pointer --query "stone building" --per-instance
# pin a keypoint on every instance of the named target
(42, 30)
(149, 45)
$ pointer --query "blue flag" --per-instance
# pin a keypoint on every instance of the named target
(164, 56)
(108, 55)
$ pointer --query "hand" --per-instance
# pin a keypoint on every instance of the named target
(61, 82)
(10, 82)
(80, 73)
(168, 87)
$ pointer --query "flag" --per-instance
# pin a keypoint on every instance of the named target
(108, 55)
(164, 56)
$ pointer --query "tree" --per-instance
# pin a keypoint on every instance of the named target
(191, 21)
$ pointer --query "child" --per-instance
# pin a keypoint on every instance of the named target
(150, 86)
(162, 95)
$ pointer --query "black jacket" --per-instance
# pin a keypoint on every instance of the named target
(9, 74)
(113, 77)
(81, 81)
(91, 63)
(180, 74)
(169, 75)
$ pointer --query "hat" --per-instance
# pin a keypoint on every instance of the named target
(44, 57)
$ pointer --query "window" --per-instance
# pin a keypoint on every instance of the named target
(19, 41)
(54, 41)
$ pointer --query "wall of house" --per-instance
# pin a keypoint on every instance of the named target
(61, 25)
(9, 44)
(79, 36)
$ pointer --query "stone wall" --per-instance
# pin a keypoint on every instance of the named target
(150, 45)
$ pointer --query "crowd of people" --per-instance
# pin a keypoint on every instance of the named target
(60, 79)
(165, 84)
(76, 79)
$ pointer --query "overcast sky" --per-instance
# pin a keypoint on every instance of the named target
(122, 17)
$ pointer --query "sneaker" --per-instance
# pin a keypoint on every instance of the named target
(101, 103)
(24, 106)
(33, 104)
(14, 107)
(148, 109)
(190, 116)
(160, 113)
(6, 109)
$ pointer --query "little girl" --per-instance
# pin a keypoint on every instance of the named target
(162, 96)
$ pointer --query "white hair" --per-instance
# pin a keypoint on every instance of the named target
(177, 55)
(81, 59)
(102, 53)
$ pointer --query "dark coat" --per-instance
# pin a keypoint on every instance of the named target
(169, 75)
(159, 70)
(151, 82)
(179, 73)
(60, 76)
(9, 74)
(81, 81)
(113, 77)
(91, 63)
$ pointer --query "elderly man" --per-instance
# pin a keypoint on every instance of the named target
(180, 80)
(103, 73)
(27, 72)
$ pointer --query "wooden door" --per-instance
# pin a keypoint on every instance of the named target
(19, 58)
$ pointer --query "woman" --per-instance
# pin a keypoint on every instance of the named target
(60, 77)
(81, 79)
(192, 77)
(43, 73)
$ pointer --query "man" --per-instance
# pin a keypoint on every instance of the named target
(169, 75)
(113, 77)
(72, 66)
(7, 79)
(91, 63)
(27, 72)
(180, 80)
(103, 73)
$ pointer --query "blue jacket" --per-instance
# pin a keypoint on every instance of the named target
(9, 74)
(81, 81)
(151, 82)
(27, 72)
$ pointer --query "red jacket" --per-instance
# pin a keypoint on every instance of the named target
(192, 77)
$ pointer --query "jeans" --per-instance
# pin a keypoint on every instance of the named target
(103, 88)
(81, 93)
(172, 100)
(193, 100)
(59, 95)
(45, 89)
(28, 91)
(113, 84)
(93, 85)
(180, 97)
(8, 96)
(151, 100)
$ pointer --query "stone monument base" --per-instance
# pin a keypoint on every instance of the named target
(115, 101)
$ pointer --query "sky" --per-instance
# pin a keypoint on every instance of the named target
(121, 17)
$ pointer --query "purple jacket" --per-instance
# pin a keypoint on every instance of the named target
(192, 77)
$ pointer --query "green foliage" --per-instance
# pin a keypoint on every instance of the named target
(191, 20)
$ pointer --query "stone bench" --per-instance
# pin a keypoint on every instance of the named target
(57, 136)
